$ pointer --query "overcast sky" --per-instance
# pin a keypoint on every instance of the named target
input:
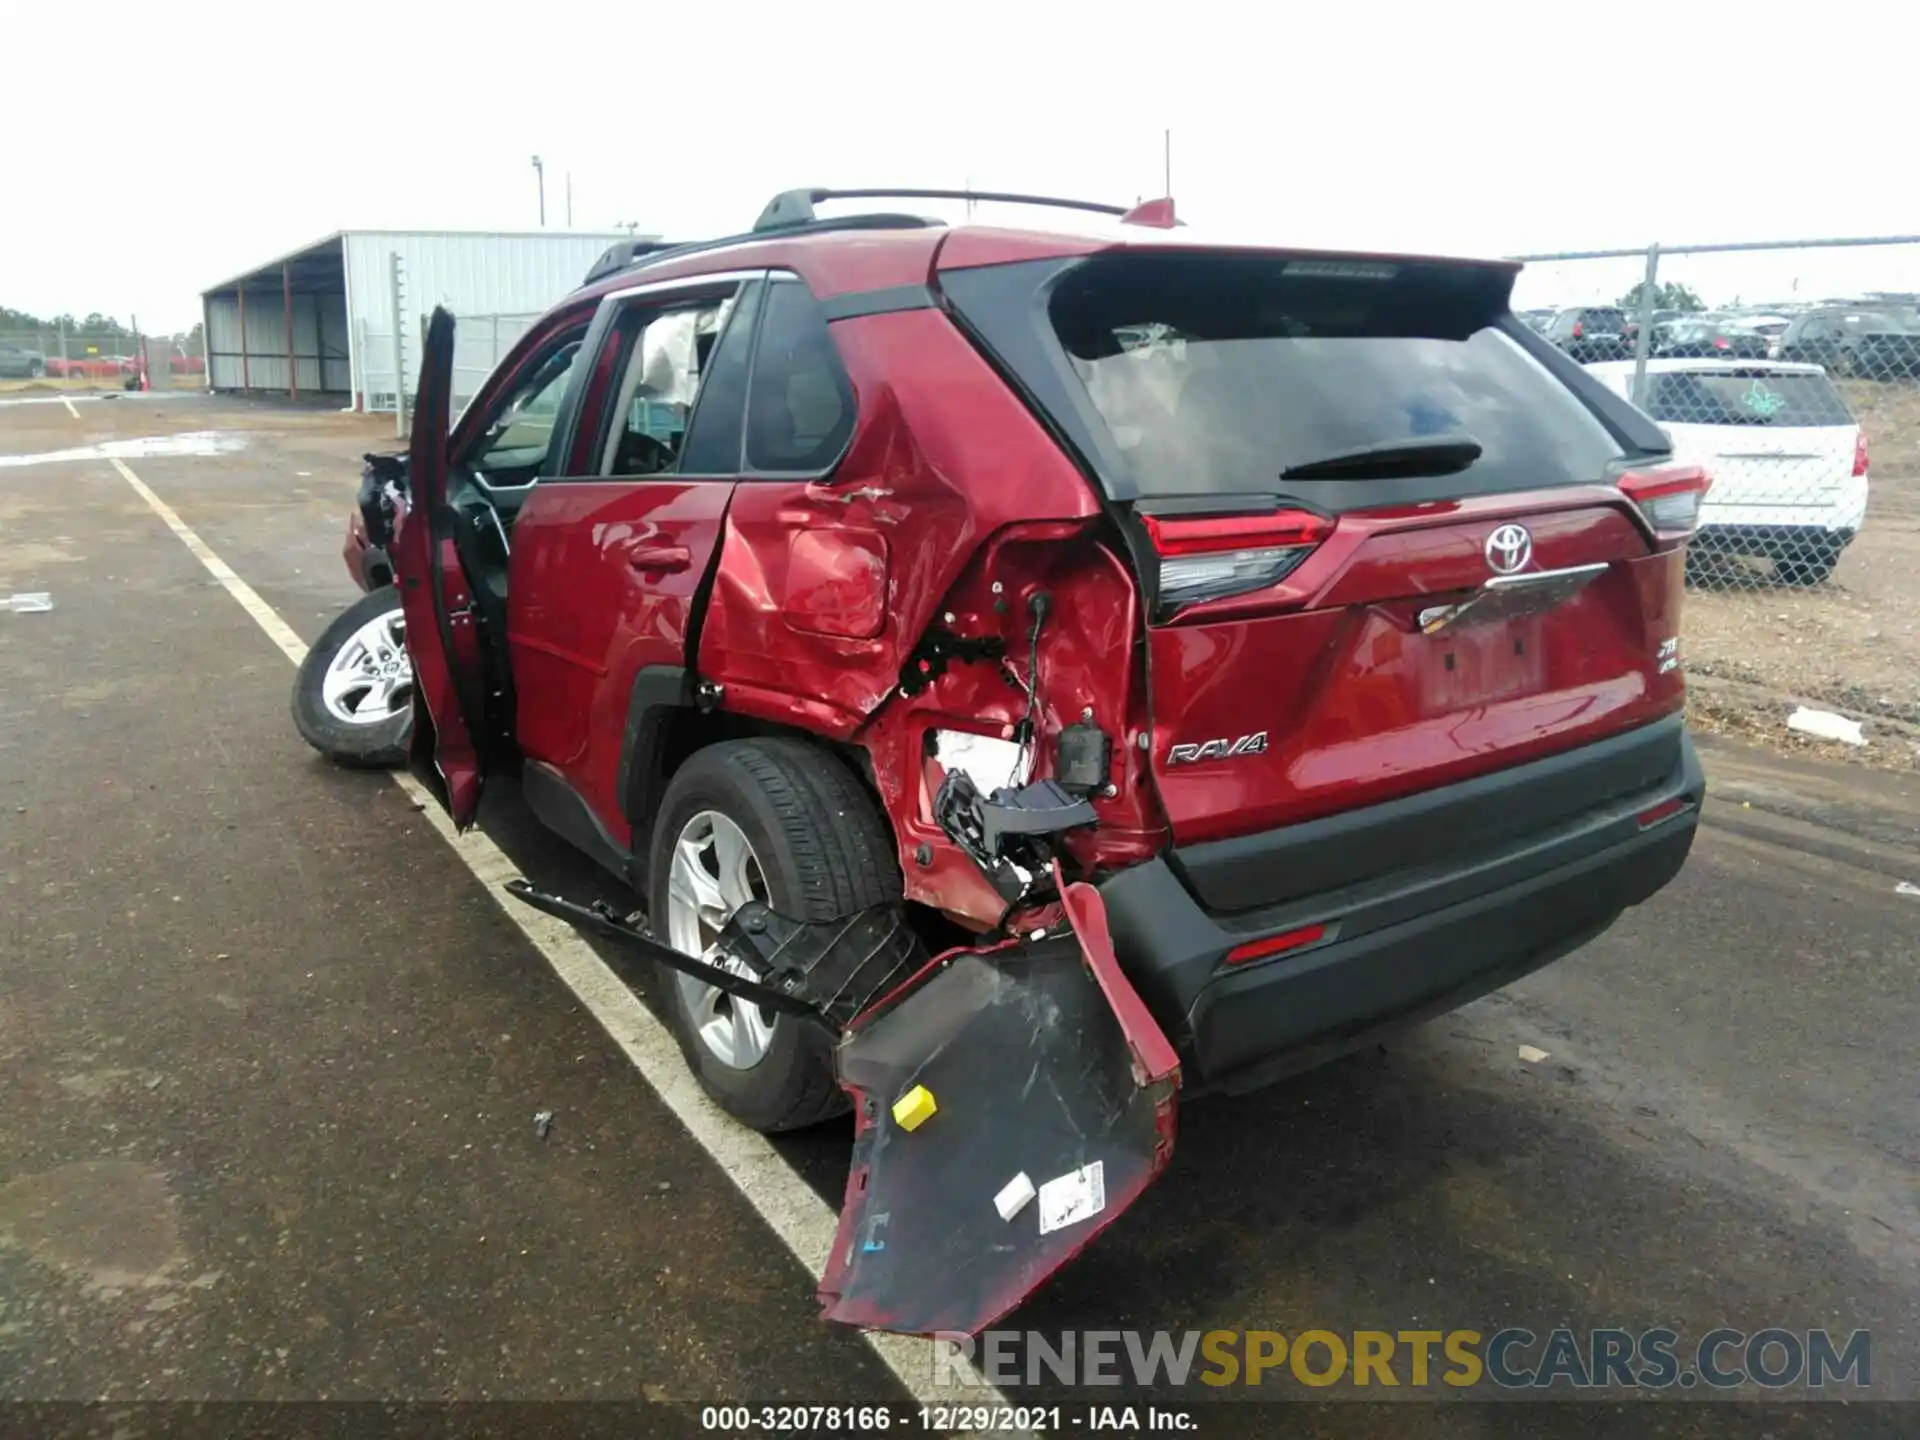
(160, 148)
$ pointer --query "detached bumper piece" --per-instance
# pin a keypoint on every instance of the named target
(828, 971)
(1010, 1103)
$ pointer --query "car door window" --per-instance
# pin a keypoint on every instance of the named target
(516, 443)
(800, 403)
(716, 431)
(668, 353)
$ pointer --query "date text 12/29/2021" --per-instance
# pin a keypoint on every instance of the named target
(948, 1419)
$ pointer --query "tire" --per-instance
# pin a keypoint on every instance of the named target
(358, 645)
(1814, 567)
(1842, 367)
(36, 371)
(821, 851)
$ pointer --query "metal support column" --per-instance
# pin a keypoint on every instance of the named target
(286, 300)
(1643, 337)
(399, 345)
(246, 370)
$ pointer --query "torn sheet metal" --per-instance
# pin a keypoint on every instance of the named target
(1055, 1107)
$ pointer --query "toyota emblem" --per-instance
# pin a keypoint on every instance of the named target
(1509, 548)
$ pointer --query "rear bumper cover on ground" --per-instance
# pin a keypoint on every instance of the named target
(1428, 902)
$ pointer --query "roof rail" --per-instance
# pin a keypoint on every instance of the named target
(628, 255)
(795, 207)
(623, 253)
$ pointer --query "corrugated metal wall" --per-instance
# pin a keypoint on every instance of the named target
(499, 280)
(320, 343)
(474, 276)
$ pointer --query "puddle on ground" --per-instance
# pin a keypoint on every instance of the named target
(191, 442)
(109, 1223)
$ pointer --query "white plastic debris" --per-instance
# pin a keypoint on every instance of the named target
(1014, 1196)
(990, 763)
(1825, 725)
(1906, 887)
(30, 603)
(542, 1123)
(1532, 1054)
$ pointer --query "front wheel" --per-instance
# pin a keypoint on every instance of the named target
(353, 698)
(783, 822)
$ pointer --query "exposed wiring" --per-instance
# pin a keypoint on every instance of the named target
(1041, 604)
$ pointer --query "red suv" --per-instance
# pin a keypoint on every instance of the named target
(1295, 631)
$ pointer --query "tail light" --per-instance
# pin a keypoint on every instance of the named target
(1579, 330)
(1203, 557)
(1860, 453)
(1668, 498)
(1719, 342)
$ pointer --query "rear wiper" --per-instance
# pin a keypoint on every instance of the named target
(1391, 458)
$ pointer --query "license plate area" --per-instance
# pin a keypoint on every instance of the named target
(1510, 597)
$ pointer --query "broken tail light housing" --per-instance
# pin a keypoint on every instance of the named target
(1668, 498)
(1205, 557)
(1860, 454)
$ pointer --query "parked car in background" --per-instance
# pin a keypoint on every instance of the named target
(19, 363)
(1708, 337)
(1770, 327)
(1872, 344)
(1787, 457)
(1537, 320)
(1591, 333)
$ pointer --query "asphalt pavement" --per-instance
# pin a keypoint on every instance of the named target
(271, 1054)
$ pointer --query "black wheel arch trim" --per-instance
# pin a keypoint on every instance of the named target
(640, 781)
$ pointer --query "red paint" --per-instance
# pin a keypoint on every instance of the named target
(601, 584)
(836, 583)
(1360, 707)
(441, 635)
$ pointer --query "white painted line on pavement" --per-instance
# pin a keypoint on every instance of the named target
(804, 1223)
(64, 400)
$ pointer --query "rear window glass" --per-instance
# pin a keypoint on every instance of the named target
(1744, 397)
(1214, 376)
(1878, 321)
(1604, 319)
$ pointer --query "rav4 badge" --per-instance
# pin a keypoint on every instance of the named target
(1254, 744)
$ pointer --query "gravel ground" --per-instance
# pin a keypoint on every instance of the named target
(1755, 649)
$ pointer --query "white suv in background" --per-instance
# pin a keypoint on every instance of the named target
(1787, 457)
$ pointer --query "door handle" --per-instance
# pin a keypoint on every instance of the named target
(659, 559)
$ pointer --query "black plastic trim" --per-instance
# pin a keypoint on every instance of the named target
(889, 301)
(1433, 827)
(658, 691)
(563, 810)
(1403, 944)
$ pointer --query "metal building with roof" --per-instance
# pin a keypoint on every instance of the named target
(343, 315)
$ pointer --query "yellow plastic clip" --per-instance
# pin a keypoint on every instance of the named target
(913, 1109)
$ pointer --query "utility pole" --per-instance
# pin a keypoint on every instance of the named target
(569, 199)
(540, 176)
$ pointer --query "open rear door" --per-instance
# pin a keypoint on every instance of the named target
(1009, 1104)
(442, 624)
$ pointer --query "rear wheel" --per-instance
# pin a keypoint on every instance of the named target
(1810, 565)
(785, 823)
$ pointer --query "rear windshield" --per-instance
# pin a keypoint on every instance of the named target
(1604, 319)
(1215, 375)
(1744, 397)
(1879, 322)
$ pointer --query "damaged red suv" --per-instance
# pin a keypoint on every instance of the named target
(1004, 658)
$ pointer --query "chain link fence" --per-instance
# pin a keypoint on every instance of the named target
(54, 358)
(1791, 371)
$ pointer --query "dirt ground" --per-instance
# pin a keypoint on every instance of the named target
(1851, 645)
